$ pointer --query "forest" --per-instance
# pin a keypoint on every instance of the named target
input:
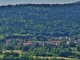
(40, 20)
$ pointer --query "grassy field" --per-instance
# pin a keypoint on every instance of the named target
(17, 51)
(77, 52)
(20, 52)
(1, 55)
(57, 58)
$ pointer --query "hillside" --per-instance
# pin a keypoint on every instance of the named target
(40, 19)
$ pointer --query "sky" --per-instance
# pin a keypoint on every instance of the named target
(5, 2)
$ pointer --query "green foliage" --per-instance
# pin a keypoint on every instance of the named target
(39, 20)
(11, 54)
(9, 47)
(25, 48)
(35, 22)
(72, 44)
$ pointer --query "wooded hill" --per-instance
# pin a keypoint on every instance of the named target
(40, 19)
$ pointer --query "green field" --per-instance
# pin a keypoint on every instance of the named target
(57, 58)
(20, 52)
(17, 51)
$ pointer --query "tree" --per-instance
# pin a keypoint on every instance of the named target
(25, 48)
(78, 48)
(72, 44)
(9, 47)
(65, 53)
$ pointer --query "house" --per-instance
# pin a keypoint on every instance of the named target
(67, 42)
(9, 41)
(78, 40)
(28, 43)
(58, 42)
(71, 39)
(41, 43)
(53, 42)
(75, 41)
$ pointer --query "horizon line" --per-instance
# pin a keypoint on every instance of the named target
(38, 3)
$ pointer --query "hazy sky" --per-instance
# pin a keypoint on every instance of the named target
(4, 2)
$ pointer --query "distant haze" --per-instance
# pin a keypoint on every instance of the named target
(5, 2)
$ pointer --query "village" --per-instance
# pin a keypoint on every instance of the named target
(54, 41)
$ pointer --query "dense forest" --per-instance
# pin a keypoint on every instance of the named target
(40, 20)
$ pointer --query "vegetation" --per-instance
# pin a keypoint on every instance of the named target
(40, 20)
(61, 51)
(38, 23)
